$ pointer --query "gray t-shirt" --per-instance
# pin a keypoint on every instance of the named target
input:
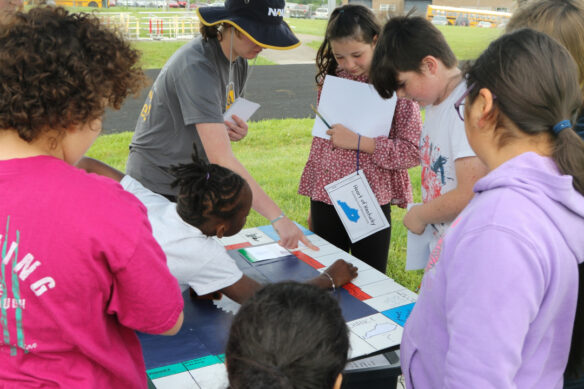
(190, 89)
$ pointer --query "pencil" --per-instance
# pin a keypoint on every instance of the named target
(320, 116)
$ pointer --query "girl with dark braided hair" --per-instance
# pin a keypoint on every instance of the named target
(211, 201)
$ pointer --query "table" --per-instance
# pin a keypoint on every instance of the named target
(374, 306)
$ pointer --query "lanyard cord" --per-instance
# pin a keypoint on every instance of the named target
(231, 57)
(229, 89)
(358, 147)
(230, 84)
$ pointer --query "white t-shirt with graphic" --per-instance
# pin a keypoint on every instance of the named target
(196, 260)
(443, 141)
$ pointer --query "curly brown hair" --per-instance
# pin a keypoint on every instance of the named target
(59, 69)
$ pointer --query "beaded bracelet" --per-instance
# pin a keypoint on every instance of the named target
(281, 216)
(330, 278)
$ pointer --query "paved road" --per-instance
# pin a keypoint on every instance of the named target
(283, 91)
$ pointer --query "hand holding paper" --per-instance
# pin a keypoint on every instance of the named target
(342, 137)
(356, 105)
(237, 130)
(412, 220)
(242, 108)
(418, 246)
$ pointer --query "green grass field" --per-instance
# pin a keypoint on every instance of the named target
(466, 42)
(275, 151)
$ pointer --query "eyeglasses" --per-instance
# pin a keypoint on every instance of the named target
(460, 102)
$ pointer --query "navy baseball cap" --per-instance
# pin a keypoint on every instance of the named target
(262, 21)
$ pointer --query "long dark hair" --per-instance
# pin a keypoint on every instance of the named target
(536, 83)
(288, 335)
(348, 21)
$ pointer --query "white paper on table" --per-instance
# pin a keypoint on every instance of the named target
(356, 105)
(265, 252)
(418, 250)
(242, 108)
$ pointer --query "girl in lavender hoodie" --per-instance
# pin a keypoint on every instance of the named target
(497, 309)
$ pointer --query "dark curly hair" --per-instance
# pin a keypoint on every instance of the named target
(206, 190)
(287, 335)
(59, 69)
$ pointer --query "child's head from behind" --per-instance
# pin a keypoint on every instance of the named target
(530, 82)
(350, 38)
(288, 335)
(563, 20)
(408, 45)
(60, 70)
(212, 198)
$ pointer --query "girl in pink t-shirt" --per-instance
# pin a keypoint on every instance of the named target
(80, 270)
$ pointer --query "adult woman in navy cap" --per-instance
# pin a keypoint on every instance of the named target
(195, 87)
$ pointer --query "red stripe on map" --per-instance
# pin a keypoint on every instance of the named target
(356, 292)
(237, 246)
(309, 260)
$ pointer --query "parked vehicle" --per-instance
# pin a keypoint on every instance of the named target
(197, 5)
(440, 20)
(300, 11)
(321, 13)
(456, 15)
(462, 20)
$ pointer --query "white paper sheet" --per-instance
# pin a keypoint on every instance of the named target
(356, 206)
(242, 108)
(356, 105)
(265, 252)
(418, 250)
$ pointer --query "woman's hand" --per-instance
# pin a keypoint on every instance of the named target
(342, 137)
(290, 234)
(237, 130)
(413, 221)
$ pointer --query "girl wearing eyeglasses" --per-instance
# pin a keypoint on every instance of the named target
(497, 309)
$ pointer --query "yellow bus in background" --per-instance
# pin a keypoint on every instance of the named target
(82, 3)
(70, 3)
(468, 16)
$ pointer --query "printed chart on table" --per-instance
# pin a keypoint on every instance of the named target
(374, 306)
